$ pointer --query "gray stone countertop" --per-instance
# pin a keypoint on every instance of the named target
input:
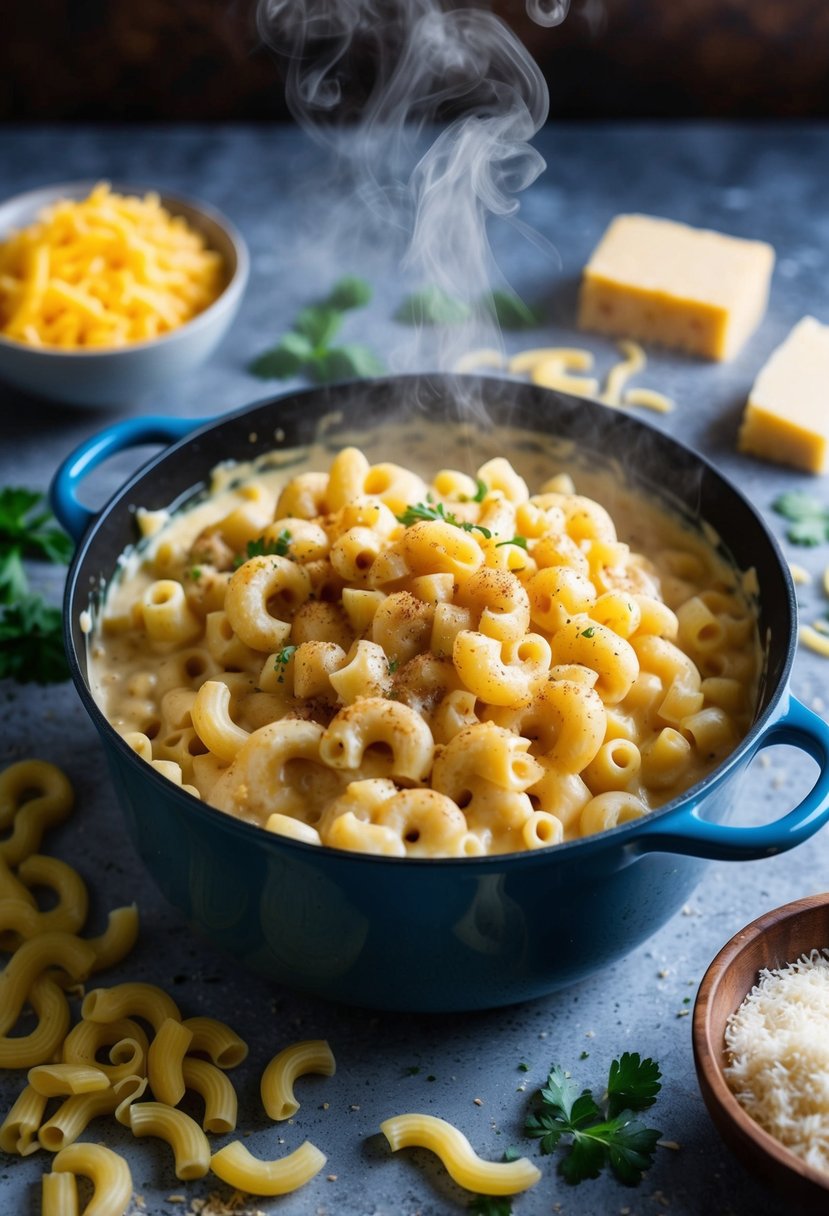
(764, 181)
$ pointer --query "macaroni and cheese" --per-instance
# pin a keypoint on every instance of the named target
(367, 660)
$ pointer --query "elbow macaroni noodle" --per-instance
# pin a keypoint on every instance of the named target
(510, 672)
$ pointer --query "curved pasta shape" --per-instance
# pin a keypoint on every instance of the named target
(499, 601)
(69, 913)
(489, 751)
(462, 1163)
(239, 1168)
(18, 1131)
(30, 816)
(217, 1040)
(165, 1058)
(191, 1150)
(213, 723)
(59, 1195)
(117, 940)
(258, 587)
(126, 1040)
(220, 1102)
(372, 721)
(427, 822)
(72, 954)
(138, 1000)
(276, 1086)
(481, 664)
(593, 645)
(52, 1009)
(73, 1117)
(565, 722)
(57, 1080)
(256, 785)
(108, 1171)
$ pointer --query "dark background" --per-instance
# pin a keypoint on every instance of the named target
(201, 60)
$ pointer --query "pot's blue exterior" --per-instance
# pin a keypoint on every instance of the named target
(448, 934)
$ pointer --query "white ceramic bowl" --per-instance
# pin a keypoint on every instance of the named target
(122, 374)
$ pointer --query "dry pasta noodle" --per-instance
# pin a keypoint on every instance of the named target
(238, 1167)
(368, 660)
(190, 1146)
(217, 1040)
(277, 1084)
(462, 1163)
(110, 1176)
(104, 271)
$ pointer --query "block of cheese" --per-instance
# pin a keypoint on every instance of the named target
(787, 415)
(660, 281)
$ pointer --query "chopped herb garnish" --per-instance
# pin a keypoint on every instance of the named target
(598, 1138)
(521, 541)
(420, 511)
(432, 306)
(281, 661)
(31, 631)
(809, 519)
(490, 1205)
(481, 491)
(513, 1153)
(306, 348)
(194, 573)
(511, 312)
(522, 1067)
(265, 548)
(393, 666)
(588, 632)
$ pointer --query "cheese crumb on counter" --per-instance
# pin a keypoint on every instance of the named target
(778, 1043)
(786, 418)
(688, 288)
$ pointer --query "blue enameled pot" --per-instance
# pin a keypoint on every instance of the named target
(438, 934)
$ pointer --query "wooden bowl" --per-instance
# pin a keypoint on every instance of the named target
(773, 940)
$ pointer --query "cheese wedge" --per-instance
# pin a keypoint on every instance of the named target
(688, 288)
(787, 415)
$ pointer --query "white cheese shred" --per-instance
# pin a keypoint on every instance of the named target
(778, 1044)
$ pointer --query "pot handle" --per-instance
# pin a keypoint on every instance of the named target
(70, 512)
(698, 837)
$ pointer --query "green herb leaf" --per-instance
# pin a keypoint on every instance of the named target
(521, 541)
(808, 517)
(281, 661)
(347, 293)
(342, 362)
(32, 535)
(510, 311)
(588, 632)
(31, 641)
(393, 666)
(419, 511)
(513, 1153)
(318, 324)
(633, 1083)
(432, 306)
(265, 548)
(481, 491)
(287, 358)
(13, 581)
(490, 1205)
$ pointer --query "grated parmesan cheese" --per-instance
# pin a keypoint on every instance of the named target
(778, 1043)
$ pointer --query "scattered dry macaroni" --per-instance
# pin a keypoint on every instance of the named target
(462, 1162)
(366, 660)
(236, 1165)
(277, 1084)
(104, 271)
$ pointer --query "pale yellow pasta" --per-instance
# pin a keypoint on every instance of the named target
(127, 1043)
(41, 1044)
(220, 1101)
(191, 1150)
(34, 795)
(58, 1080)
(213, 723)
(18, 1131)
(31, 960)
(218, 1041)
(620, 373)
(166, 614)
(59, 1195)
(462, 1163)
(608, 810)
(135, 999)
(108, 1171)
(164, 1061)
(276, 1085)
(117, 940)
(235, 1165)
(501, 659)
(73, 1117)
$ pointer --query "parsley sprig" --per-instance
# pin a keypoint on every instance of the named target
(433, 306)
(306, 349)
(281, 661)
(808, 518)
(31, 640)
(416, 512)
(599, 1137)
(262, 547)
(490, 1205)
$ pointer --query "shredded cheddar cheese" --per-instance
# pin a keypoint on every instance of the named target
(104, 271)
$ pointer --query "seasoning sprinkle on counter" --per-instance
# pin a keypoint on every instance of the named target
(778, 1044)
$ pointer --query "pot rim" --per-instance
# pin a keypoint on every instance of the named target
(623, 835)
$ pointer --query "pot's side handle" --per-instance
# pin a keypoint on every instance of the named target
(697, 837)
(71, 513)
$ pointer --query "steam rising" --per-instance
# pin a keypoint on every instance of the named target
(366, 78)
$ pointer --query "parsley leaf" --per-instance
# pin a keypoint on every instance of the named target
(809, 519)
(490, 1205)
(31, 641)
(281, 661)
(264, 548)
(415, 513)
(510, 311)
(33, 535)
(521, 541)
(588, 632)
(432, 306)
(306, 348)
(482, 489)
(633, 1083)
(616, 1139)
(13, 581)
